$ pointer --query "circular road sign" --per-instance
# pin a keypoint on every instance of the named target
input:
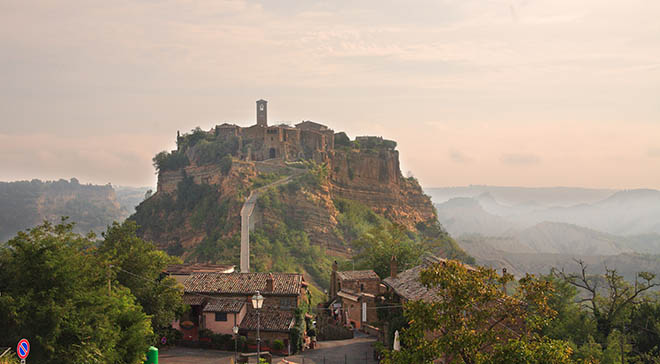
(23, 349)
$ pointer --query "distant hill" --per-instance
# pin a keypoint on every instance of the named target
(536, 229)
(24, 204)
(627, 264)
(542, 196)
(462, 215)
(628, 212)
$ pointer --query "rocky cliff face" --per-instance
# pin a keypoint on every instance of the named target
(371, 177)
(374, 178)
(25, 204)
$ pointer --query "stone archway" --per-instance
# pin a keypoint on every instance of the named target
(272, 153)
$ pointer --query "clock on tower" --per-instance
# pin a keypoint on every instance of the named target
(261, 112)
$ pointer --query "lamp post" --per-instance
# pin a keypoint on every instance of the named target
(257, 302)
(235, 331)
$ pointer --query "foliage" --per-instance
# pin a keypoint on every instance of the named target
(9, 358)
(225, 164)
(282, 248)
(210, 152)
(610, 317)
(644, 328)
(609, 311)
(571, 323)
(519, 351)
(474, 321)
(139, 266)
(55, 293)
(165, 161)
(317, 174)
(264, 179)
(356, 219)
(375, 249)
(297, 332)
(278, 344)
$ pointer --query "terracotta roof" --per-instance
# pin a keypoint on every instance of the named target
(284, 284)
(224, 305)
(407, 283)
(193, 300)
(358, 275)
(269, 320)
(183, 269)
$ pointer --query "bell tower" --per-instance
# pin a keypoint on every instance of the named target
(262, 109)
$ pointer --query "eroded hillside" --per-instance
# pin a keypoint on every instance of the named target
(325, 204)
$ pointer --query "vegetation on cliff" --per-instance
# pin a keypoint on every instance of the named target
(322, 208)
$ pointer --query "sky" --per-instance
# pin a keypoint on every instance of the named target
(515, 92)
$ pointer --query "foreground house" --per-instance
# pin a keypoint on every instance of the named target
(220, 301)
(354, 296)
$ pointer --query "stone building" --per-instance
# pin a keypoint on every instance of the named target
(307, 140)
(354, 293)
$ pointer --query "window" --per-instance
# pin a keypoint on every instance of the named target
(361, 287)
(221, 316)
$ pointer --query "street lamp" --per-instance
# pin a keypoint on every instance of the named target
(257, 302)
(235, 331)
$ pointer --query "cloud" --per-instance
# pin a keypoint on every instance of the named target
(459, 157)
(520, 159)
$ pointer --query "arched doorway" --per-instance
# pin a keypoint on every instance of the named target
(272, 153)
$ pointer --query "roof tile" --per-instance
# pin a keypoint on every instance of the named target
(270, 320)
(284, 284)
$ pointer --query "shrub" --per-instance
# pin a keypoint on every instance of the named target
(206, 333)
(165, 161)
(225, 164)
(278, 345)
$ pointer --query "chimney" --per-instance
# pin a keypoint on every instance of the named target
(393, 267)
(269, 283)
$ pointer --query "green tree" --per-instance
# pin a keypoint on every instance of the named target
(571, 323)
(54, 292)
(375, 249)
(139, 267)
(472, 320)
(608, 310)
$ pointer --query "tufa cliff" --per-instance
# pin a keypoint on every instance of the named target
(317, 190)
(24, 204)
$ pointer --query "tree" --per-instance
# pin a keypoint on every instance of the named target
(571, 323)
(472, 320)
(55, 293)
(376, 248)
(139, 267)
(609, 310)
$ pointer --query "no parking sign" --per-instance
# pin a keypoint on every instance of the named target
(23, 349)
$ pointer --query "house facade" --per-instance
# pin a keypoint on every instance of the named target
(354, 295)
(220, 301)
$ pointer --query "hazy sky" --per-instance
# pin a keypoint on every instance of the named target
(517, 92)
